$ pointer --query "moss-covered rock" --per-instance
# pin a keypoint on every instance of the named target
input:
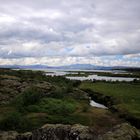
(12, 86)
(8, 135)
(63, 132)
(122, 132)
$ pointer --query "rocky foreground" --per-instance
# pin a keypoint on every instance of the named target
(123, 131)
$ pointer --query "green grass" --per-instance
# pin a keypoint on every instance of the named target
(127, 93)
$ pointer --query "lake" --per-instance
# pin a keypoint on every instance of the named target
(95, 104)
(96, 77)
(89, 77)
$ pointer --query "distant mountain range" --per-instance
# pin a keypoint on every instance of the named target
(83, 67)
(25, 66)
(73, 66)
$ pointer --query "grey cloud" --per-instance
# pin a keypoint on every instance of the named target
(66, 28)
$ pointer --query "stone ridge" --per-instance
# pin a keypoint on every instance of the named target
(122, 131)
(12, 86)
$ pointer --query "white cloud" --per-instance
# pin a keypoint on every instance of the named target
(57, 61)
(72, 29)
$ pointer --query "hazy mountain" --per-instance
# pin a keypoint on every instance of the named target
(25, 66)
(83, 67)
(73, 66)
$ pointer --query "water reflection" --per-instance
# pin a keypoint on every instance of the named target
(89, 77)
(96, 77)
(94, 104)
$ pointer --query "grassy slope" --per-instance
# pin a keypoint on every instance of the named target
(32, 111)
(129, 94)
(83, 113)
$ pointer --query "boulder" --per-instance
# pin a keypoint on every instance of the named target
(123, 131)
(12, 86)
(8, 135)
(62, 132)
(24, 136)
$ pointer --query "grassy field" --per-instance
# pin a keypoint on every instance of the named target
(127, 93)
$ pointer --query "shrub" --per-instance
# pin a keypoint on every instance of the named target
(30, 96)
(11, 121)
(58, 93)
(15, 121)
(76, 83)
(61, 92)
(33, 108)
(57, 106)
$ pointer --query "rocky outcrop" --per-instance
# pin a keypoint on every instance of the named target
(12, 86)
(123, 131)
(63, 132)
(52, 132)
(8, 135)
(24, 136)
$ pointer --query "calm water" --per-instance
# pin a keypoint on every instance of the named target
(90, 77)
(96, 77)
(95, 104)
(58, 72)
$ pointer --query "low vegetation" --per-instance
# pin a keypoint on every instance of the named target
(126, 94)
(29, 99)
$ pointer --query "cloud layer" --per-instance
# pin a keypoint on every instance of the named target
(50, 31)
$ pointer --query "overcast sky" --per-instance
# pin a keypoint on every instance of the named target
(62, 32)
